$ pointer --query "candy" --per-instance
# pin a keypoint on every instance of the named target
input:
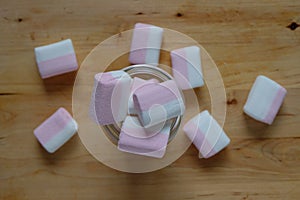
(158, 102)
(206, 134)
(264, 100)
(137, 83)
(109, 102)
(186, 66)
(145, 45)
(57, 58)
(138, 140)
(56, 130)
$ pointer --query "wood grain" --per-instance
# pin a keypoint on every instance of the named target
(245, 38)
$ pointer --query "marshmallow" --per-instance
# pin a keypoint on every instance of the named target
(186, 66)
(206, 134)
(264, 100)
(145, 45)
(56, 130)
(137, 83)
(57, 58)
(138, 140)
(158, 102)
(109, 102)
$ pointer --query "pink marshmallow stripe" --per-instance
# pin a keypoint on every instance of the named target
(179, 64)
(106, 106)
(102, 102)
(52, 126)
(104, 84)
(148, 145)
(180, 68)
(137, 83)
(274, 108)
(59, 65)
(155, 93)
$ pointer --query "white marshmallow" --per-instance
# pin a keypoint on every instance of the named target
(187, 68)
(206, 134)
(57, 58)
(264, 100)
(146, 43)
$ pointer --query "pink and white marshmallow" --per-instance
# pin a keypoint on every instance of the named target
(57, 58)
(136, 139)
(206, 134)
(187, 68)
(158, 102)
(109, 102)
(56, 130)
(145, 45)
(137, 83)
(264, 100)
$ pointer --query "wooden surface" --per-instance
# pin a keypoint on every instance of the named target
(245, 40)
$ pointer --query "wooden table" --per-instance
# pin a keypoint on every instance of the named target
(245, 40)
